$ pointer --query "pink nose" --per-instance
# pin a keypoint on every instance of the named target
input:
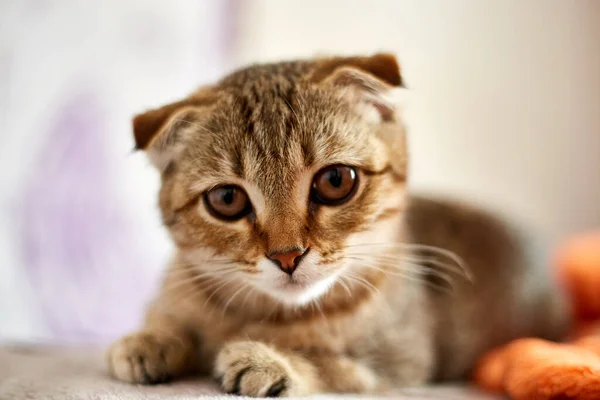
(288, 261)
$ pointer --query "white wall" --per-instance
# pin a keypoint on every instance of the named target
(506, 94)
(124, 57)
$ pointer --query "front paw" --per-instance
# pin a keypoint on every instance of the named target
(257, 370)
(148, 358)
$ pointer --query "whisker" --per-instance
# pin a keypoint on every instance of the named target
(190, 281)
(439, 288)
(191, 273)
(424, 271)
(192, 269)
(361, 283)
(414, 273)
(252, 290)
(244, 286)
(381, 244)
(398, 261)
(343, 284)
(195, 290)
(364, 281)
(397, 270)
(225, 283)
(420, 247)
(457, 269)
(318, 305)
(415, 277)
(172, 286)
(450, 254)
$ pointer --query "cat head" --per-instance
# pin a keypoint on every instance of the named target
(279, 173)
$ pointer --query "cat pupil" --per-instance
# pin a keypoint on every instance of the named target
(335, 178)
(228, 196)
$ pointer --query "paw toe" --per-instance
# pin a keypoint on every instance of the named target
(276, 389)
(252, 370)
(143, 358)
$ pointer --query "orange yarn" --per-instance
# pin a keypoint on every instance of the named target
(579, 268)
(535, 369)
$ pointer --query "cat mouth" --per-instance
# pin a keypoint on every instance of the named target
(293, 282)
(301, 290)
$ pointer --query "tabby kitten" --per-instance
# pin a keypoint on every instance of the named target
(302, 263)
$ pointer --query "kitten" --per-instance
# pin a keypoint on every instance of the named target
(302, 263)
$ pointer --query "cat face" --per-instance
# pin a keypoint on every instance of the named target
(276, 176)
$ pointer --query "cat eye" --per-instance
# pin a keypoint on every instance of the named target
(228, 202)
(334, 185)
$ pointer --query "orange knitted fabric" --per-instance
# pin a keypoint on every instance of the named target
(535, 369)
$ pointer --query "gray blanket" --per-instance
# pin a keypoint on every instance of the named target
(79, 374)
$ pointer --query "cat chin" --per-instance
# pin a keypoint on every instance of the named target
(297, 294)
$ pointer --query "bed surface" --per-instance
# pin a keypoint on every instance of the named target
(63, 374)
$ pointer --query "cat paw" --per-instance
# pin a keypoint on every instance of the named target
(256, 370)
(147, 358)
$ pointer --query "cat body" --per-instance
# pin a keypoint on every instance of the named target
(302, 264)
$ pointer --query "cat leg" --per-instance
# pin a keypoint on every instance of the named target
(154, 355)
(256, 369)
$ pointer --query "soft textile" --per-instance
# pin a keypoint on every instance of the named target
(78, 374)
(534, 369)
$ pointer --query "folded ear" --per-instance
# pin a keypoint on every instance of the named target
(374, 86)
(161, 132)
(383, 66)
(374, 80)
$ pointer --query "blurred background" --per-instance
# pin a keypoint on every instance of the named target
(504, 111)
